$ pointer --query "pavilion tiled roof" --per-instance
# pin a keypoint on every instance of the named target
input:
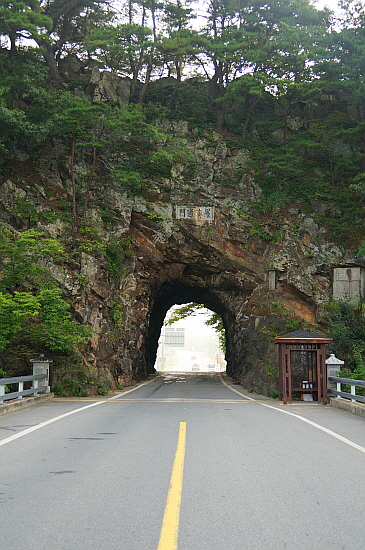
(303, 335)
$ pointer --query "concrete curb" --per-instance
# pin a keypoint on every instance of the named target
(16, 405)
(344, 404)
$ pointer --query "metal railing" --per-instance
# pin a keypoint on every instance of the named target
(353, 383)
(34, 390)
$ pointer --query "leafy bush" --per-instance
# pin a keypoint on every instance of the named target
(115, 253)
(20, 256)
(88, 239)
(73, 387)
(58, 389)
(347, 328)
(41, 319)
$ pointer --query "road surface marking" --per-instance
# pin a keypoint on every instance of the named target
(319, 427)
(170, 523)
(129, 391)
(181, 400)
(51, 420)
(236, 391)
(303, 419)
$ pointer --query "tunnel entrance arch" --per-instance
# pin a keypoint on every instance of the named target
(178, 294)
(228, 273)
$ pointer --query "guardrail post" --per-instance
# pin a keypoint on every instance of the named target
(353, 391)
(2, 392)
(338, 384)
(20, 388)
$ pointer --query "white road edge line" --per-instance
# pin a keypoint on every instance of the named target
(236, 391)
(51, 420)
(43, 424)
(319, 427)
(129, 391)
(314, 424)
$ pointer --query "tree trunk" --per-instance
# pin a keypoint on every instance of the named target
(73, 185)
(277, 180)
(13, 49)
(50, 58)
(362, 147)
(88, 185)
(248, 117)
(147, 79)
(285, 120)
(172, 102)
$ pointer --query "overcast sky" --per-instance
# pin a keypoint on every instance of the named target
(196, 323)
(331, 4)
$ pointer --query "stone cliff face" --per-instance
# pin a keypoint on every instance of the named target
(253, 270)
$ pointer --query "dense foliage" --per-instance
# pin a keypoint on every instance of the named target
(33, 315)
(347, 328)
(252, 68)
(259, 71)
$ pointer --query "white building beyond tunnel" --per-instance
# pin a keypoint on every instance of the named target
(189, 346)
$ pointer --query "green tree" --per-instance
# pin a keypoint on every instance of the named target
(347, 328)
(83, 124)
(20, 255)
(31, 305)
(275, 43)
(41, 319)
(122, 48)
(177, 45)
(15, 312)
(56, 26)
(343, 69)
(21, 19)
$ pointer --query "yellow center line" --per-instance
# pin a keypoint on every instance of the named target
(170, 522)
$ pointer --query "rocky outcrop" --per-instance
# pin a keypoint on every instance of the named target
(221, 258)
(109, 88)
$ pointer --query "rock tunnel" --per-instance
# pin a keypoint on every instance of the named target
(223, 293)
(246, 346)
(226, 271)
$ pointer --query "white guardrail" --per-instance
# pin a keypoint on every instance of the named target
(340, 394)
(34, 390)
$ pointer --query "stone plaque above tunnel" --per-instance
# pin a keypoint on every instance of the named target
(196, 214)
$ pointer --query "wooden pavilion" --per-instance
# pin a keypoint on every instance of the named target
(302, 367)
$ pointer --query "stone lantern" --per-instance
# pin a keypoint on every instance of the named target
(333, 366)
(41, 366)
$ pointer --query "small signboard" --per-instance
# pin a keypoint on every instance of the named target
(195, 213)
(175, 337)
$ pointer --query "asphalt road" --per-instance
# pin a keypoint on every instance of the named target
(91, 474)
